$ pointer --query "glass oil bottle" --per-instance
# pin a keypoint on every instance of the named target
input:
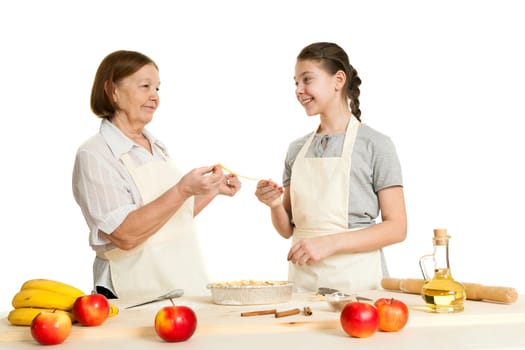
(441, 292)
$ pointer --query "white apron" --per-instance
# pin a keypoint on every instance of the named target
(319, 193)
(171, 257)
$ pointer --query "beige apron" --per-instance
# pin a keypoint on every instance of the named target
(319, 192)
(171, 257)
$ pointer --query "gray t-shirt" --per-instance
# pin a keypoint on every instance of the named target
(375, 165)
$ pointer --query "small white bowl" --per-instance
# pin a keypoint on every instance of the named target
(338, 300)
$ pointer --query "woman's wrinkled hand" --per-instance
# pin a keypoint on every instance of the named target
(230, 184)
(201, 181)
(269, 193)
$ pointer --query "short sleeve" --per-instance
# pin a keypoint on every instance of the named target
(386, 164)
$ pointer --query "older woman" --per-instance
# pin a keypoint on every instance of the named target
(138, 205)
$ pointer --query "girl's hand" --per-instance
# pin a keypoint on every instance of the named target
(310, 250)
(269, 193)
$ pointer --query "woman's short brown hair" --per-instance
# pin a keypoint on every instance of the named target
(113, 68)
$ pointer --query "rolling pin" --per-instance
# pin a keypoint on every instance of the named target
(475, 291)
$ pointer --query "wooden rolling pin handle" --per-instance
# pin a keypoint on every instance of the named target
(475, 291)
(391, 283)
(407, 285)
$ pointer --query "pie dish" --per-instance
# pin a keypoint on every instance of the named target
(251, 292)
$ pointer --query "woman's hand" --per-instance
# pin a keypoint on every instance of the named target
(269, 193)
(201, 181)
(230, 185)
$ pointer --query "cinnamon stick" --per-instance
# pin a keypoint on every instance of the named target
(287, 313)
(307, 311)
(258, 313)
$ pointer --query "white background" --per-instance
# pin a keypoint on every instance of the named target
(444, 79)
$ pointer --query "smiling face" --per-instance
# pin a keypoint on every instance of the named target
(137, 96)
(316, 90)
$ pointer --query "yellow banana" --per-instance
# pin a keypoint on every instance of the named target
(113, 310)
(43, 299)
(52, 285)
(25, 315)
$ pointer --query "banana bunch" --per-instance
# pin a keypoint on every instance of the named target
(24, 316)
(37, 295)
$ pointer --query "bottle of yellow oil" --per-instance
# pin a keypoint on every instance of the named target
(441, 292)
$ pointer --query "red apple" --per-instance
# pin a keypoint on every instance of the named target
(50, 328)
(393, 314)
(359, 319)
(175, 323)
(91, 309)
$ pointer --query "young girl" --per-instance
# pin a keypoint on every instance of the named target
(336, 182)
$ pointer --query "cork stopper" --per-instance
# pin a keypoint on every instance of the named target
(440, 236)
